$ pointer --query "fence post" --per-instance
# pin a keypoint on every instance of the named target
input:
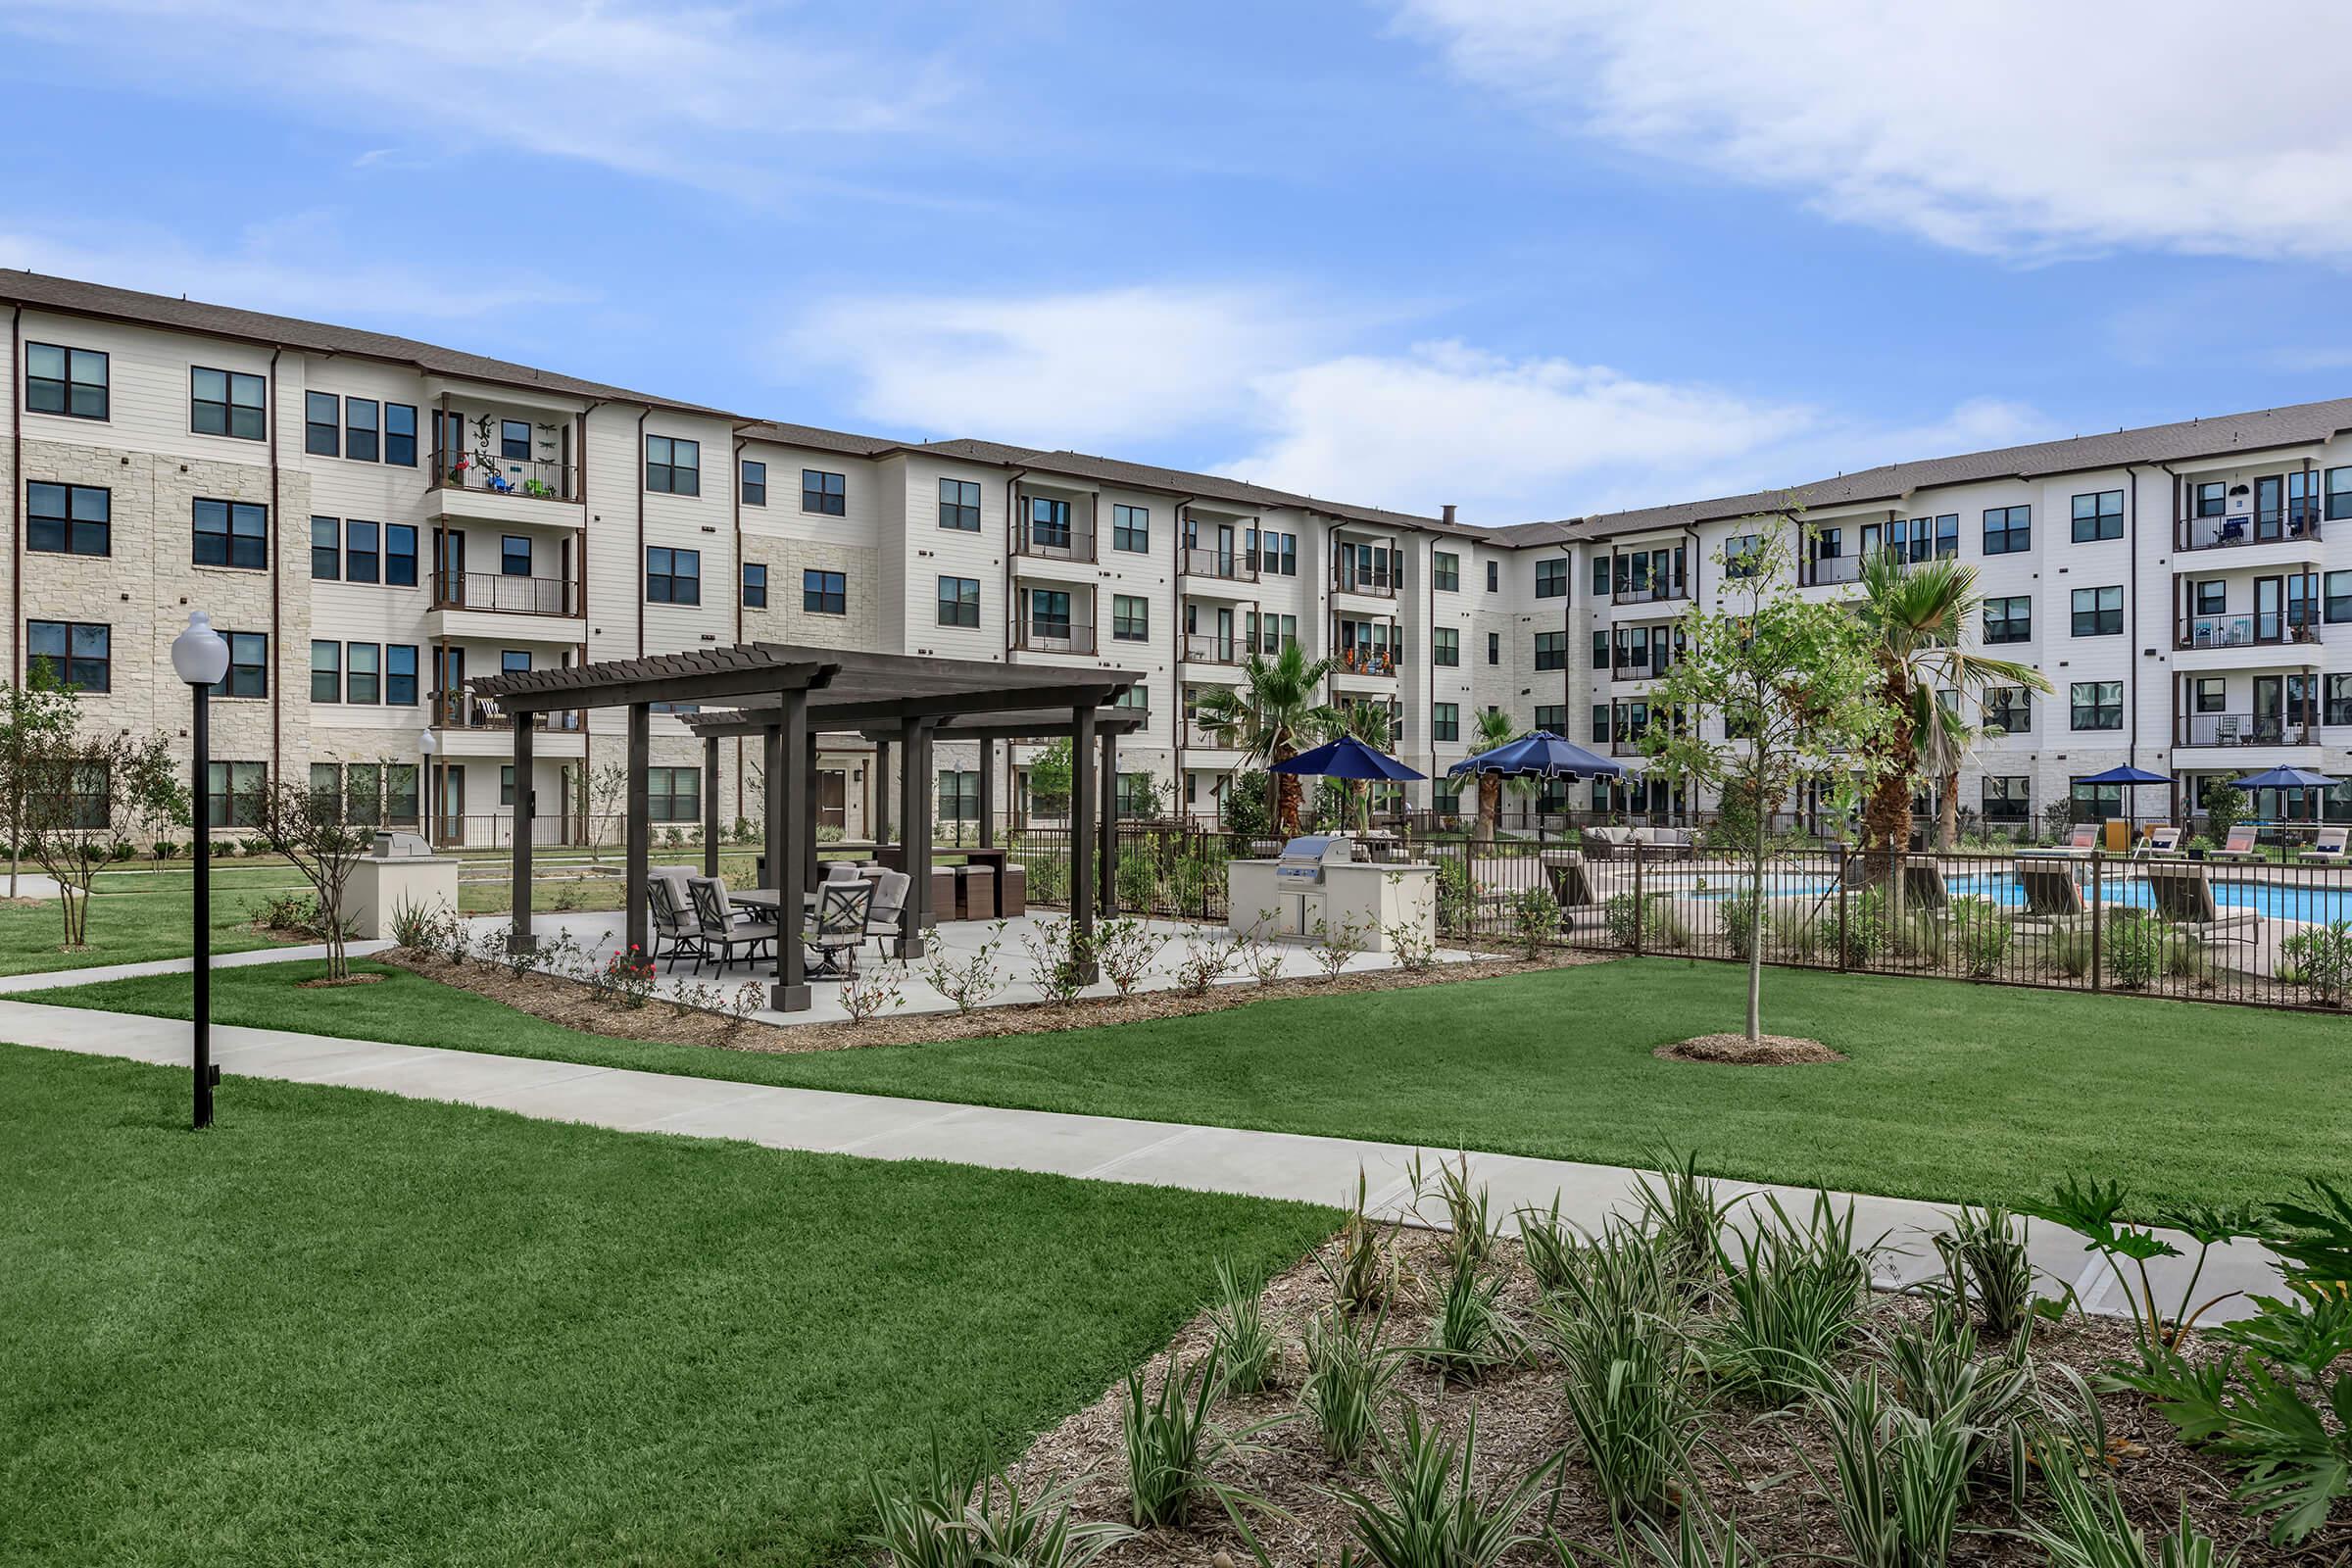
(2098, 879)
(1845, 944)
(1640, 903)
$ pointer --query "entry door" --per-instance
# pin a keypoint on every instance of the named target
(1224, 549)
(1225, 637)
(832, 799)
(2269, 507)
(2270, 595)
(449, 566)
(448, 791)
(449, 685)
(2269, 702)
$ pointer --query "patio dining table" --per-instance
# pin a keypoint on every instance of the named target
(765, 901)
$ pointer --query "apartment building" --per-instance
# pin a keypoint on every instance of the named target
(375, 523)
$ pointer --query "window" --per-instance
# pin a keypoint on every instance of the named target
(2009, 708)
(361, 429)
(2209, 499)
(232, 793)
(1138, 796)
(400, 675)
(1601, 723)
(360, 556)
(960, 795)
(1552, 718)
(1445, 647)
(227, 402)
(1493, 577)
(513, 556)
(505, 785)
(1600, 579)
(2008, 531)
(68, 381)
(824, 593)
(1446, 721)
(400, 434)
(326, 672)
(2099, 611)
(248, 666)
(675, 793)
(2339, 701)
(672, 576)
(2339, 595)
(1136, 699)
(754, 585)
(364, 680)
(1445, 570)
(1494, 644)
(79, 653)
(2097, 705)
(960, 505)
(959, 601)
(1551, 650)
(2095, 802)
(1130, 528)
(1552, 578)
(754, 483)
(1738, 553)
(1276, 554)
(1947, 536)
(673, 466)
(74, 519)
(2212, 695)
(2213, 597)
(2338, 493)
(514, 661)
(326, 549)
(1130, 618)
(322, 424)
(400, 555)
(87, 799)
(2009, 620)
(514, 440)
(2099, 517)
(2008, 799)
(822, 492)
(233, 533)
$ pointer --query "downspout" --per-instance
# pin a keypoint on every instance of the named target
(277, 556)
(1013, 524)
(1176, 661)
(2132, 602)
(587, 731)
(736, 490)
(642, 417)
(15, 488)
(1330, 626)
(1429, 655)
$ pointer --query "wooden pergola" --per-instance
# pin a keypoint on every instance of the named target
(789, 696)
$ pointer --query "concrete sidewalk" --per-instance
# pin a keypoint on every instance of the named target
(1265, 1165)
(53, 979)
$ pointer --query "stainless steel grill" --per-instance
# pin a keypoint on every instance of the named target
(1304, 857)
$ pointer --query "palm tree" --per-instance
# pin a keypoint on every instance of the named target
(1276, 712)
(1368, 722)
(1492, 728)
(1921, 615)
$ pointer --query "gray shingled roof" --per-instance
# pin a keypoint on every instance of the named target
(821, 440)
(40, 290)
(2259, 431)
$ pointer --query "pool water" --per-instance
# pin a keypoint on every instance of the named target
(2271, 900)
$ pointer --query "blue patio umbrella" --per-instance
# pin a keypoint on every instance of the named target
(2127, 775)
(1540, 754)
(2285, 778)
(1348, 758)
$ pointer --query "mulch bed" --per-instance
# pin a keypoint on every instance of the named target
(568, 1002)
(363, 978)
(1751, 1471)
(1733, 1050)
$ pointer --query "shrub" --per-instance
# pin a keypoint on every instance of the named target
(2322, 957)
(2138, 949)
(1363, 1276)
(1736, 922)
(1137, 878)
(1796, 937)
(290, 911)
(1125, 948)
(1422, 1510)
(1684, 1216)
(1171, 1442)
(1349, 1374)
(1864, 935)
(1795, 1294)
(1900, 1478)
(1457, 898)
(866, 994)
(1335, 946)
(1534, 921)
(1616, 1330)
(2087, 1527)
(162, 848)
(416, 926)
(1244, 1345)
(625, 978)
(970, 984)
(1204, 963)
(1981, 932)
(1471, 1333)
(1057, 961)
(1470, 1233)
(952, 1518)
(1984, 1257)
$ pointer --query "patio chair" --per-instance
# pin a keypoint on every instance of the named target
(842, 907)
(2051, 891)
(672, 923)
(2240, 845)
(2161, 839)
(2327, 847)
(721, 932)
(2184, 898)
(889, 899)
(1570, 885)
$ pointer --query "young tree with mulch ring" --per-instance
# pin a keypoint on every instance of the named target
(86, 796)
(311, 828)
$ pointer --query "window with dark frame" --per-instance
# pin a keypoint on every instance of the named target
(1130, 618)
(400, 555)
(232, 793)
(326, 549)
(362, 561)
(2338, 596)
(361, 431)
(513, 555)
(1493, 577)
(2009, 708)
(73, 383)
(327, 671)
(2213, 597)
(2008, 798)
(754, 483)
(1494, 644)
(248, 666)
(2337, 497)
(229, 403)
(2210, 695)
(1130, 528)
(1551, 650)
(2097, 704)
(672, 576)
(79, 654)
(825, 494)
(514, 440)
(2098, 515)
(2009, 619)
(1551, 577)
(959, 601)
(232, 533)
(68, 520)
(323, 424)
(1445, 570)
(754, 585)
(1446, 721)
(364, 676)
(960, 505)
(400, 434)
(675, 793)
(400, 675)
(2095, 802)
(1445, 647)
(824, 593)
(2099, 611)
(673, 465)
(2008, 530)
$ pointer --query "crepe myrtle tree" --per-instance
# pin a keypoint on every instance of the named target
(314, 833)
(87, 796)
(38, 714)
(1791, 679)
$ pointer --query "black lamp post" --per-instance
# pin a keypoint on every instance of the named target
(200, 656)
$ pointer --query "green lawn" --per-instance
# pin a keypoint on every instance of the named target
(134, 919)
(1953, 1090)
(344, 1327)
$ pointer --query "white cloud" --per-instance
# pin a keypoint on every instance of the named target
(1184, 371)
(2014, 127)
(293, 267)
(696, 95)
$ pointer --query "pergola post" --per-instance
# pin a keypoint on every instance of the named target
(637, 829)
(808, 826)
(915, 911)
(1108, 826)
(1082, 841)
(988, 792)
(771, 806)
(791, 792)
(519, 938)
(880, 825)
(710, 806)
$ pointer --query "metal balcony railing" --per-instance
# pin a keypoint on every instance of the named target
(2298, 521)
(1213, 647)
(511, 594)
(536, 479)
(1043, 541)
(1639, 669)
(1233, 566)
(1349, 579)
(464, 711)
(1053, 636)
(2267, 627)
(1652, 592)
(1833, 569)
(1367, 662)
(2245, 729)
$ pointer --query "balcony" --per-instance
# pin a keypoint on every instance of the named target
(1628, 743)
(2246, 730)
(462, 711)
(1655, 592)
(2298, 524)
(489, 487)
(1365, 662)
(2261, 629)
(1035, 636)
(1347, 578)
(1826, 570)
(1197, 739)
(1212, 648)
(504, 594)
(1045, 541)
(1226, 566)
(1639, 669)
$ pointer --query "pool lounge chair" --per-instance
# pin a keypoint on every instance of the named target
(2240, 845)
(1922, 887)
(1570, 886)
(2164, 840)
(2329, 847)
(2184, 898)
(2051, 891)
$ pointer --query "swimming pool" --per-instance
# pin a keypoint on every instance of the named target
(2271, 900)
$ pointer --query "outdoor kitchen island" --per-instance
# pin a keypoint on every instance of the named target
(1318, 885)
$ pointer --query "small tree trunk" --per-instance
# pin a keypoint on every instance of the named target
(1755, 930)
(1947, 811)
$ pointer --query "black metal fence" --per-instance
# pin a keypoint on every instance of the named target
(2270, 930)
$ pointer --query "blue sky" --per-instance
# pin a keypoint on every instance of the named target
(1536, 256)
